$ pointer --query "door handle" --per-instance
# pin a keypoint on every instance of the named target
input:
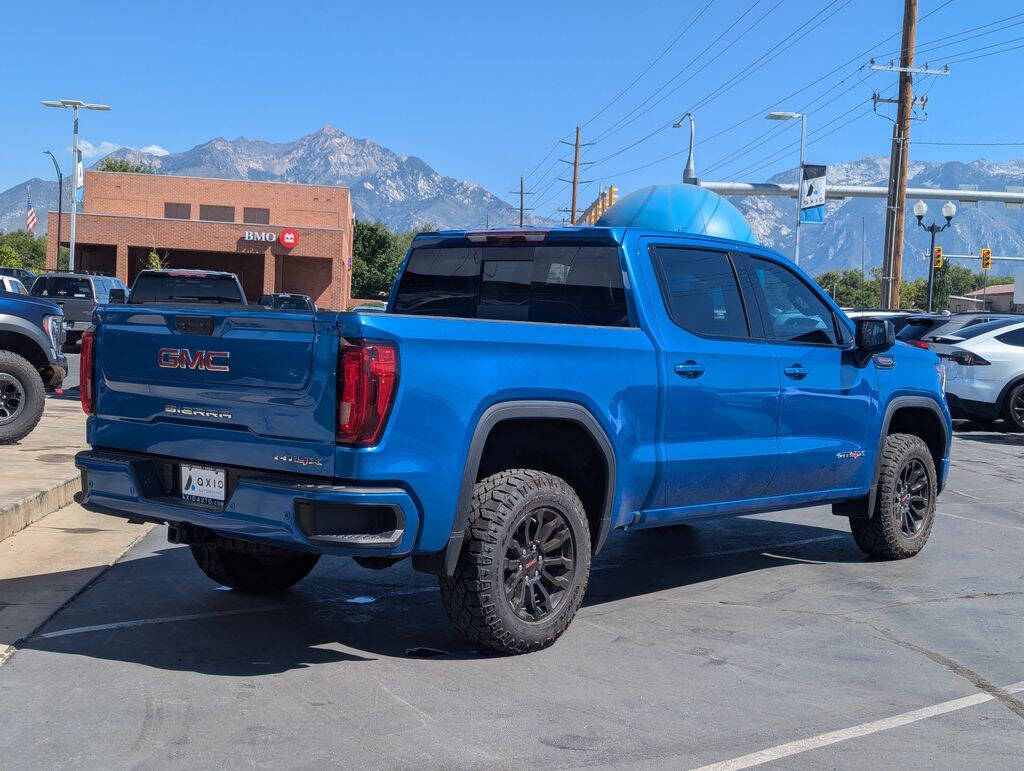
(795, 371)
(690, 369)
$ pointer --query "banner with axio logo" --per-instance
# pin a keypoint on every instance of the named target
(812, 194)
(287, 238)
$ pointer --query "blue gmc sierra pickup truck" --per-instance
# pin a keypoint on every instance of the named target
(525, 393)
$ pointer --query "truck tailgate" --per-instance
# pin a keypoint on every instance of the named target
(245, 387)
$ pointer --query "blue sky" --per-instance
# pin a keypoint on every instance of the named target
(482, 91)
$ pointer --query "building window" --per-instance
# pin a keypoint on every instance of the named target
(216, 213)
(178, 211)
(256, 216)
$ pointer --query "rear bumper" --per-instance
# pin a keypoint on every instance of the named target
(971, 409)
(289, 511)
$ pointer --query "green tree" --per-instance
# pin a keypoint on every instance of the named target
(850, 288)
(30, 249)
(8, 257)
(154, 261)
(123, 165)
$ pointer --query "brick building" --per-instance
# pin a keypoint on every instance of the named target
(276, 237)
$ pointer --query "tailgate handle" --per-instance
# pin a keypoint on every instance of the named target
(194, 325)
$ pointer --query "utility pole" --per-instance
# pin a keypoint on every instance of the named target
(575, 181)
(522, 199)
(895, 211)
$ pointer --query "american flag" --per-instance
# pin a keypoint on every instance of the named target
(30, 217)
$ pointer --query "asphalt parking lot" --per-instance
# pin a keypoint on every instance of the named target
(696, 645)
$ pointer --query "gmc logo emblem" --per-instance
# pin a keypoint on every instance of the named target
(183, 358)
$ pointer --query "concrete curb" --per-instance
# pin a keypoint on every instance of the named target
(21, 514)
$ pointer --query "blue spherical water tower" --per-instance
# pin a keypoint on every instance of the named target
(680, 208)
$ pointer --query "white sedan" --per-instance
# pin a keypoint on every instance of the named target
(984, 367)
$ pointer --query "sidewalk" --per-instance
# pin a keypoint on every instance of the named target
(38, 475)
(48, 563)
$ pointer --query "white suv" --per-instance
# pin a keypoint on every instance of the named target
(984, 367)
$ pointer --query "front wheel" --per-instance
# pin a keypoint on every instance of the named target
(524, 565)
(905, 502)
(252, 567)
(21, 397)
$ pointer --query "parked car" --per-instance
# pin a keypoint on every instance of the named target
(898, 318)
(78, 294)
(957, 322)
(26, 277)
(12, 285)
(31, 337)
(288, 302)
(205, 287)
(525, 393)
(984, 366)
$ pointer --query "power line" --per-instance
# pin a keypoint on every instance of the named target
(759, 113)
(937, 42)
(990, 53)
(628, 117)
(658, 58)
(970, 144)
(756, 65)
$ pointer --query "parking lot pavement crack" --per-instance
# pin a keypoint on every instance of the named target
(1011, 702)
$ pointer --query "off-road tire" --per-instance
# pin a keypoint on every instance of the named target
(475, 596)
(1014, 418)
(252, 567)
(882, 535)
(32, 396)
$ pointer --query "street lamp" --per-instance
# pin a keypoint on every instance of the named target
(76, 158)
(921, 209)
(60, 197)
(800, 168)
(690, 172)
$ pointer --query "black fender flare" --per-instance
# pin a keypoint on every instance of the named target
(444, 563)
(865, 507)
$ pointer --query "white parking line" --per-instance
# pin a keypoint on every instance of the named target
(842, 735)
(981, 521)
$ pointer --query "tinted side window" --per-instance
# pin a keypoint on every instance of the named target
(553, 284)
(62, 286)
(1016, 337)
(793, 312)
(701, 292)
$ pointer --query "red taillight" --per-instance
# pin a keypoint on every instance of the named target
(87, 364)
(367, 383)
(918, 344)
(968, 359)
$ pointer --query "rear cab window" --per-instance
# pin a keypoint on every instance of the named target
(167, 288)
(561, 283)
(701, 291)
(64, 287)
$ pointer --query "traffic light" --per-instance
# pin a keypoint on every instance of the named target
(937, 258)
(613, 194)
(986, 258)
(604, 202)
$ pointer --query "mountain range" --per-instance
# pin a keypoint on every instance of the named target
(854, 228)
(402, 191)
(405, 192)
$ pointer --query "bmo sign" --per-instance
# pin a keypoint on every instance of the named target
(287, 238)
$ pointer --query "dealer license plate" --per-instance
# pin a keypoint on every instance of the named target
(201, 484)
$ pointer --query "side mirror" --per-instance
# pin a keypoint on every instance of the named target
(116, 297)
(875, 335)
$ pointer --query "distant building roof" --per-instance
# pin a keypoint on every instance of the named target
(997, 289)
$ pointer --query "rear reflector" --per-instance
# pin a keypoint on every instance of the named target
(86, 369)
(367, 383)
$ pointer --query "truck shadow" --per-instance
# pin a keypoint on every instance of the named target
(159, 611)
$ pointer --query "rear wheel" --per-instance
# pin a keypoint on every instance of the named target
(1013, 409)
(905, 503)
(252, 567)
(525, 564)
(21, 397)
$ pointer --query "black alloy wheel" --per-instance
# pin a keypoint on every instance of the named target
(539, 563)
(913, 496)
(12, 398)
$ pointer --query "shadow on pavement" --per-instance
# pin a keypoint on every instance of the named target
(205, 629)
